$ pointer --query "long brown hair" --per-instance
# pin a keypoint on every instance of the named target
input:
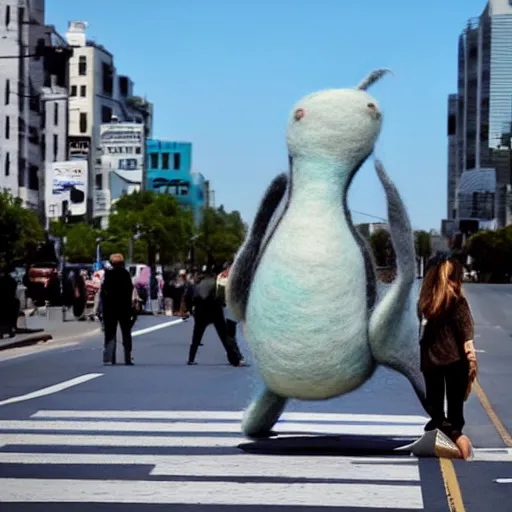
(442, 285)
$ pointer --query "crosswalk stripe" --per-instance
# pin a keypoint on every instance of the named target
(211, 493)
(240, 465)
(229, 415)
(391, 482)
(179, 426)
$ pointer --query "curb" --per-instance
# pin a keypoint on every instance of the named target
(29, 340)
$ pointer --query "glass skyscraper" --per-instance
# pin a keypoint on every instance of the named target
(480, 120)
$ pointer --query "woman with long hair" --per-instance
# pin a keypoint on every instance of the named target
(448, 359)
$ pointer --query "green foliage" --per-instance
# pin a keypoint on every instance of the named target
(382, 247)
(162, 223)
(220, 236)
(491, 252)
(422, 244)
(20, 230)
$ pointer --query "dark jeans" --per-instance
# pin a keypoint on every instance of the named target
(201, 322)
(451, 380)
(110, 321)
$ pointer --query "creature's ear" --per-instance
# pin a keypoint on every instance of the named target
(373, 77)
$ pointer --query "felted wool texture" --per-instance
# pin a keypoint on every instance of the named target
(394, 326)
(242, 271)
(307, 317)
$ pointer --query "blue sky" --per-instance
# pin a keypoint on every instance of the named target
(224, 74)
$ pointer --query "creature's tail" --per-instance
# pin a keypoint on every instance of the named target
(394, 326)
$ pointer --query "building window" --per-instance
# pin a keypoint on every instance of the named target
(177, 161)
(138, 150)
(73, 90)
(56, 114)
(82, 65)
(123, 86)
(55, 147)
(108, 79)
(83, 91)
(7, 127)
(83, 122)
(33, 178)
(99, 181)
(7, 164)
(154, 160)
(106, 114)
(165, 160)
(452, 124)
(7, 15)
(7, 91)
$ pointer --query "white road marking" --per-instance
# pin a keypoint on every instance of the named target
(52, 389)
(211, 493)
(229, 415)
(503, 480)
(121, 441)
(58, 343)
(296, 428)
(371, 482)
(156, 327)
(480, 351)
(242, 465)
(492, 455)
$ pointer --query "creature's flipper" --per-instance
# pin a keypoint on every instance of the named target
(394, 324)
(263, 414)
(369, 264)
(244, 267)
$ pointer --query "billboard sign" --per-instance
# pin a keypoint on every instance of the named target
(66, 188)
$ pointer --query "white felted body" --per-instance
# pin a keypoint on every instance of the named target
(306, 318)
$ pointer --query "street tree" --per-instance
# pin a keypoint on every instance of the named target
(220, 236)
(423, 244)
(382, 247)
(159, 221)
(20, 231)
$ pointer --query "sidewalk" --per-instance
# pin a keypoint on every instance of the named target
(40, 329)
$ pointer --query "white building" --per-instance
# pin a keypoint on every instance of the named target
(33, 91)
(97, 95)
(122, 162)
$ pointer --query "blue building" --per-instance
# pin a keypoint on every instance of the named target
(169, 172)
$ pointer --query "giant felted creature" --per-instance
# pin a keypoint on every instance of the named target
(304, 283)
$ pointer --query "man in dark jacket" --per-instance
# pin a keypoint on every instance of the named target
(116, 297)
(208, 309)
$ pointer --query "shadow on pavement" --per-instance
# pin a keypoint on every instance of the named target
(329, 445)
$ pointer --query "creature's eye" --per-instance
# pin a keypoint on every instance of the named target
(372, 107)
(299, 114)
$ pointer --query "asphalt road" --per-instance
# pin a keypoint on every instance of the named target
(162, 435)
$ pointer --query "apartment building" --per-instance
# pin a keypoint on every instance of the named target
(33, 91)
(98, 95)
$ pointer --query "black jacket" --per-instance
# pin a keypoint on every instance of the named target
(117, 291)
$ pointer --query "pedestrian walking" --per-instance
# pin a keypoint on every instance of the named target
(448, 359)
(208, 309)
(231, 322)
(116, 300)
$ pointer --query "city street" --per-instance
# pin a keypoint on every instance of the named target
(162, 435)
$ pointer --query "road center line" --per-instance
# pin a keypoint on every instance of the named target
(52, 389)
(156, 327)
(503, 480)
(498, 424)
(451, 485)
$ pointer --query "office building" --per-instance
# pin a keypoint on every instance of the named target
(169, 171)
(98, 95)
(480, 124)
